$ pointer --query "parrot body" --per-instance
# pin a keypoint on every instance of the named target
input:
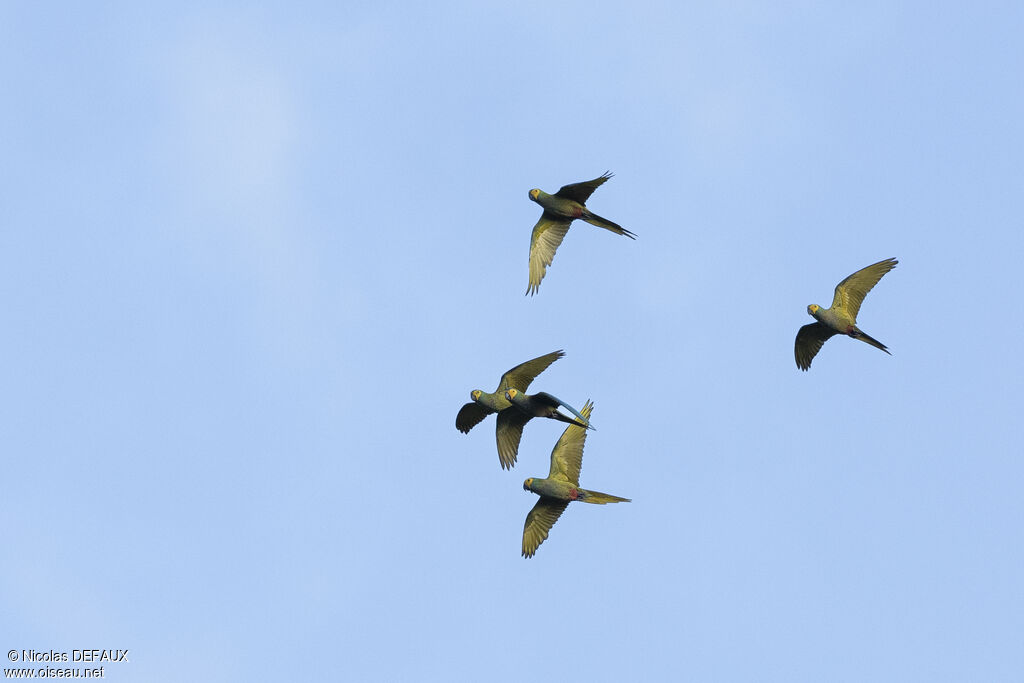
(569, 209)
(494, 402)
(563, 490)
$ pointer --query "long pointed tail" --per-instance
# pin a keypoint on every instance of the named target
(867, 338)
(594, 219)
(599, 498)
(572, 420)
(552, 400)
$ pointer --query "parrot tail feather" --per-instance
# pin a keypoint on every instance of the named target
(571, 420)
(864, 337)
(594, 219)
(599, 498)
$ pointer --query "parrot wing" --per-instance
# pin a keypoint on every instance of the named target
(850, 292)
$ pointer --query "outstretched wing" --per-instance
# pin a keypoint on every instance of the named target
(508, 432)
(539, 522)
(567, 455)
(521, 375)
(808, 342)
(580, 192)
(470, 416)
(850, 292)
(547, 235)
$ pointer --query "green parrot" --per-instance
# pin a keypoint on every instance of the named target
(561, 486)
(484, 404)
(841, 318)
(561, 209)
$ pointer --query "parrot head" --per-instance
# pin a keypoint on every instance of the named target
(534, 193)
(812, 309)
(475, 394)
(510, 394)
(527, 484)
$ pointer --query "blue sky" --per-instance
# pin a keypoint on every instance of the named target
(253, 260)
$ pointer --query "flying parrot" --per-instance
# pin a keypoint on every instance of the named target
(561, 486)
(561, 209)
(841, 317)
